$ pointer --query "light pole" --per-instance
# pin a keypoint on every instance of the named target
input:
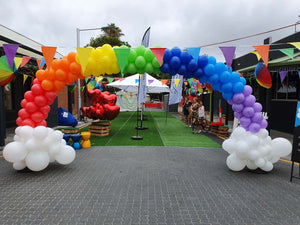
(78, 81)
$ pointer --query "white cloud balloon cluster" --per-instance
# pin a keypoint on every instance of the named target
(36, 147)
(254, 150)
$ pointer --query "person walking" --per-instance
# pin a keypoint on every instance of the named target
(201, 117)
(195, 108)
(186, 111)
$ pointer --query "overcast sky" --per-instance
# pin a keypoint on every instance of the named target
(184, 23)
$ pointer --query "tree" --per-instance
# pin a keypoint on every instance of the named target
(111, 36)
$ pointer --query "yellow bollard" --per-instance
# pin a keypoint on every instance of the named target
(86, 143)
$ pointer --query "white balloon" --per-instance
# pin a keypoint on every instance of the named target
(262, 133)
(274, 159)
(253, 155)
(66, 155)
(26, 132)
(32, 145)
(37, 161)
(17, 130)
(252, 140)
(228, 145)
(234, 163)
(260, 162)
(40, 132)
(251, 165)
(56, 136)
(19, 165)
(242, 149)
(14, 151)
(17, 138)
(238, 132)
(267, 167)
(55, 149)
(281, 147)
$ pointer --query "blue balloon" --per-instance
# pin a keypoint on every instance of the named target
(182, 70)
(243, 80)
(227, 96)
(172, 72)
(165, 68)
(203, 79)
(225, 88)
(209, 70)
(192, 66)
(238, 87)
(202, 61)
(216, 86)
(220, 67)
(199, 73)
(175, 62)
(167, 55)
(225, 77)
(185, 57)
(176, 51)
(235, 77)
(212, 60)
(214, 78)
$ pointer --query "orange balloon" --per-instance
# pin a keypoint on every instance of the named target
(55, 64)
(50, 74)
(58, 86)
(64, 64)
(75, 68)
(40, 75)
(71, 78)
(72, 57)
(60, 75)
(47, 85)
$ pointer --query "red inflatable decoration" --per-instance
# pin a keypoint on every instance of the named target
(103, 107)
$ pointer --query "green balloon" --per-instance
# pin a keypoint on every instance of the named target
(131, 68)
(140, 62)
(132, 55)
(123, 46)
(155, 63)
(148, 55)
(156, 71)
(140, 71)
(149, 68)
(140, 50)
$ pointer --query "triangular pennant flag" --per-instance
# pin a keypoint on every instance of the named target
(194, 52)
(282, 75)
(121, 79)
(228, 54)
(190, 81)
(10, 52)
(164, 82)
(18, 61)
(83, 56)
(25, 60)
(38, 61)
(24, 78)
(122, 57)
(296, 44)
(176, 82)
(299, 73)
(263, 51)
(110, 79)
(42, 63)
(257, 55)
(48, 53)
(150, 82)
(159, 54)
(288, 51)
(136, 81)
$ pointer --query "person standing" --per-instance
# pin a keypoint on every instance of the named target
(186, 111)
(201, 117)
(195, 108)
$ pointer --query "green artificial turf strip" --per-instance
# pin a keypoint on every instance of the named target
(175, 133)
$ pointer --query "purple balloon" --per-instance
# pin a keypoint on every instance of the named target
(247, 90)
(244, 121)
(238, 98)
(257, 107)
(238, 115)
(254, 127)
(263, 124)
(230, 102)
(237, 107)
(248, 111)
(249, 100)
(257, 117)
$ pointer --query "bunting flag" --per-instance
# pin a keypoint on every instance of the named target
(296, 44)
(38, 61)
(257, 55)
(175, 90)
(110, 79)
(228, 53)
(150, 82)
(159, 54)
(164, 82)
(194, 52)
(18, 61)
(176, 81)
(42, 63)
(289, 52)
(190, 80)
(48, 53)
(263, 51)
(137, 80)
(122, 57)
(24, 78)
(282, 75)
(121, 79)
(299, 73)
(83, 56)
(10, 52)
(71, 88)
(25, 60)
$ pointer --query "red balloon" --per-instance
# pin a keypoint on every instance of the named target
(28, 122)
(37, 117)
(19, 121)
(36, 81)
(50, 95)
(36, 89)
(29, 96)
(42, 123)
(45, 109)
(40, 100)
(31, 107)
(23, 114)
(23, 103)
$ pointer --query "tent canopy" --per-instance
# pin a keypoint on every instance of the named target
(130, 84)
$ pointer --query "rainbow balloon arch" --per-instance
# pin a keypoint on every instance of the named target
(35, 145)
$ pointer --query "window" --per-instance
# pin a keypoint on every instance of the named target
(287, 89)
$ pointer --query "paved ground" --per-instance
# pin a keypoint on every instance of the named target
(148, 185)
